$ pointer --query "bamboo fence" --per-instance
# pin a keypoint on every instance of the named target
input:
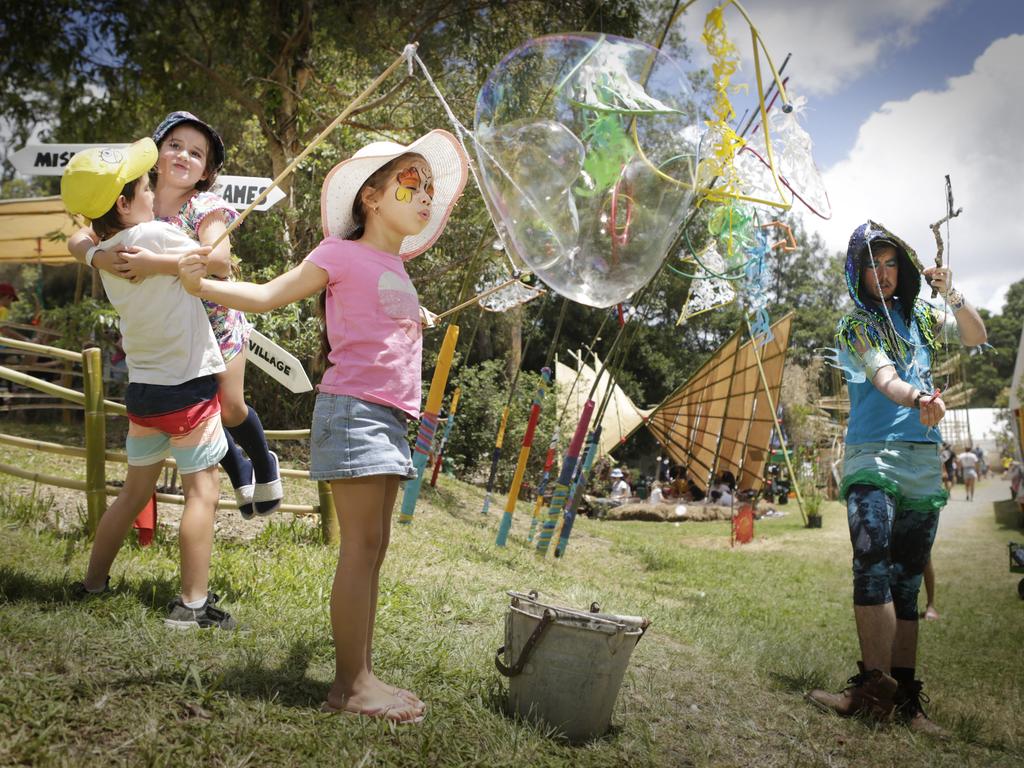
(95, 452)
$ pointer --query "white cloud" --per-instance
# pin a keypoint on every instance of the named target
(970, 130)
(833, 43)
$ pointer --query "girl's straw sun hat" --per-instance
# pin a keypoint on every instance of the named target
(447, 161)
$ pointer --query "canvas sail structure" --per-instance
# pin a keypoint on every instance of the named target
(621, 418)
(720, 419)
(35, 230)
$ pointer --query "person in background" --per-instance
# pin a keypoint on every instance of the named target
(656, 496)
(968, 461)
(620, 488)
(929, 613)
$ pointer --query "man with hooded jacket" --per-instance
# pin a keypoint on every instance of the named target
(892, 480)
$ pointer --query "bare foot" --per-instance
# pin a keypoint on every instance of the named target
(405, 695)
(373, 702)
(930, 614)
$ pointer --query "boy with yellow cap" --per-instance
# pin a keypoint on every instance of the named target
(172, 357)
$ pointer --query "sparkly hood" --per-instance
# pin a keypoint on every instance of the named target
(909, 281)
(868, 322)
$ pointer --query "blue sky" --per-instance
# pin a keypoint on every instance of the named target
(945, 45)
(900, 93)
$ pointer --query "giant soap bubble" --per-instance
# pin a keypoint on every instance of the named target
(586, 147)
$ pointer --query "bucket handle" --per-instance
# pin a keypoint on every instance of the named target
(524, 655)
(595, 607)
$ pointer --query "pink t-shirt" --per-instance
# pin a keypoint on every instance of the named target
(373, 325)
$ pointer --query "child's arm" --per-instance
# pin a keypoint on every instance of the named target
(134, 263)
(297, 283)
(218, 262)
(79, 245)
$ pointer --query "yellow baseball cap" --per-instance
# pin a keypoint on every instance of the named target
(93, 178)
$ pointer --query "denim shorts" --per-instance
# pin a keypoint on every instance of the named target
(355, 438)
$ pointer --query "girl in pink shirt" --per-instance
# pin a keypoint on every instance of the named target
(386, 204)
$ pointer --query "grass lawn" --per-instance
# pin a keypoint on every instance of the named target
(737, 636)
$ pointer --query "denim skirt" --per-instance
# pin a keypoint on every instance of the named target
(355, 438)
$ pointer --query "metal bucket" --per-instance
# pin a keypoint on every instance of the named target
(565, 666)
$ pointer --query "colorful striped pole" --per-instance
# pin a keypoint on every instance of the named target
(569, 517)
(439, 456)
(561, 492)
(549, 462)
(494, 460)
(524, 456)
(428, 423)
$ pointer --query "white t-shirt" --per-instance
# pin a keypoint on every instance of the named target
(165, 331)
(620, 490)
(726, 498)
(967, 460)
(656, 495)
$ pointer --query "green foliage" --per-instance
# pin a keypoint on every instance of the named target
(990, 372)
(484, 396)
(88, 321)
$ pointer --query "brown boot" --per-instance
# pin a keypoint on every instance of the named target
(909, 711)
(871, 692)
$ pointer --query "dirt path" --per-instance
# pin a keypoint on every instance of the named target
(959, 512)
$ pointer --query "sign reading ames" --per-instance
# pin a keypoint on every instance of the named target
(50, 160)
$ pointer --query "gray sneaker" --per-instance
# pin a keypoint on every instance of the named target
(180, 616)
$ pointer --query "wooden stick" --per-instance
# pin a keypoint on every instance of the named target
(314, 143)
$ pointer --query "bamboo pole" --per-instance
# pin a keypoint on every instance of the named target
(42, 349)
(119, 457)
(775, 419)
(328, 517)
(110, 490)
(406, 56)
(95, 439)
(56, 390)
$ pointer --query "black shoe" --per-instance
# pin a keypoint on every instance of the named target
(180, 616)
(909, 710)
(77, 590)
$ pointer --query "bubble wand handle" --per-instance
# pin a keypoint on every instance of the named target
(936, 228)
(560, 495)
(428, 423)
(524, 456)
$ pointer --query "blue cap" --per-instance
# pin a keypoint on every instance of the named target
(174, 119)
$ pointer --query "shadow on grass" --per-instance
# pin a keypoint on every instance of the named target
(19, 587)
(799, 680)
(1008, 514)
(285, 684)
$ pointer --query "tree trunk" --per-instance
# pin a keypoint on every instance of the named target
(515, 347)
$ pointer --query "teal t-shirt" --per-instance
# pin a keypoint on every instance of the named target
(876, 418)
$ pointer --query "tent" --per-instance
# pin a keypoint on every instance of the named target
(621, 417)
(720, 419)
(34, 230)
(1017, 398)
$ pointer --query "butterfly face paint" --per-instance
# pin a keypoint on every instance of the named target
(411, 180)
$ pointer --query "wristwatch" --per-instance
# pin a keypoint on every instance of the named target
(917, 400)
